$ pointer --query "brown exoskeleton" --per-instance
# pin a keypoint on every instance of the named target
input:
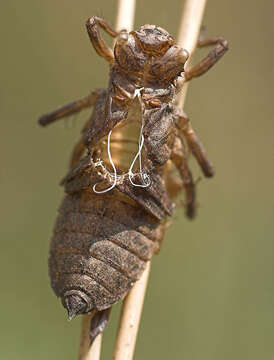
(103, 238)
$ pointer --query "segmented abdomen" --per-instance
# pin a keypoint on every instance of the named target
(100, 246)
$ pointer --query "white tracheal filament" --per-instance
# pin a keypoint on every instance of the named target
(113, 176)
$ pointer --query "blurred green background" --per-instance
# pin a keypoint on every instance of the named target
(211, 293)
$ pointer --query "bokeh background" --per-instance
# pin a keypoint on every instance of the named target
(211, 292)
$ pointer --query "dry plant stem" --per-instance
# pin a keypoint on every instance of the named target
(87, 352)
(189, 31)
(130, 318)
(132, 307)
(124, 20)
(125, 15)
(133, 304)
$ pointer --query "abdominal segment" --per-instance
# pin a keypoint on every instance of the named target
(100, 246)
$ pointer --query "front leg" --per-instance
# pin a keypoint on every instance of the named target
(183, 125)
(96, 39)
(214, 55)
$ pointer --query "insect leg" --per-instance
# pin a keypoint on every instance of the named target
(178, 157)
(183, 124)
(69, 109)
(214, 55)
(96, 39)
(98, 323)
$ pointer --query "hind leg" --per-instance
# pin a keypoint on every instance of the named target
(178, 157)
(183, 125)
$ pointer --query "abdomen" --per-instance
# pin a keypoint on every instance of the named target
(99, 248)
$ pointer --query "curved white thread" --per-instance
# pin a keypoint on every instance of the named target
(137, 92)
(145, 177)
(114, 170)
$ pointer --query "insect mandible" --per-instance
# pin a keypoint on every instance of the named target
(111, 222)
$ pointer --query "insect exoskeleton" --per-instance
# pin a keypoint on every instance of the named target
(114, 215)
(99, 249)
